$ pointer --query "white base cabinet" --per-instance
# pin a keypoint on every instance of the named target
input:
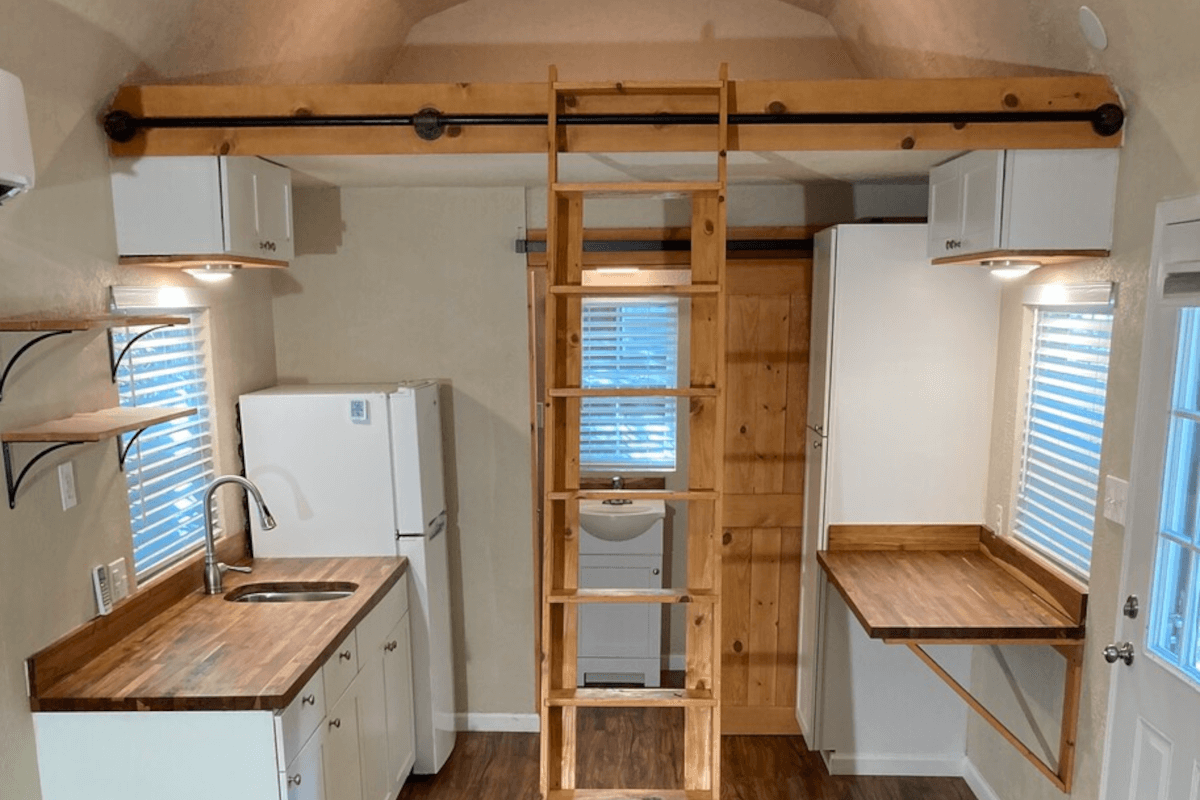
(338, 740)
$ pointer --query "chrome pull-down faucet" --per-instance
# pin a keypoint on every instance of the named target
(213, 569)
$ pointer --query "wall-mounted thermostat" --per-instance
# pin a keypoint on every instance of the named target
(360, 412)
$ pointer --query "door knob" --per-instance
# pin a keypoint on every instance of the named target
(1122, 652)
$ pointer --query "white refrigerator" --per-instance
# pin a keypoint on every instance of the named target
(356, 470)
(901, 373)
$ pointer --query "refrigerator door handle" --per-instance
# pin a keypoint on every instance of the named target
(439, 525)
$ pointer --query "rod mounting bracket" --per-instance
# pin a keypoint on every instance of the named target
(428, 124)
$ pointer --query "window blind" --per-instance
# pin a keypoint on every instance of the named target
(629, 343)
(1064, 425)
(169, 465)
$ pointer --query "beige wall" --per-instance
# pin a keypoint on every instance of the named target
(396, 283)
(57, 254)
(1152, 61)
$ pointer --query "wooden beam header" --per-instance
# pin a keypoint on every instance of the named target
(277, 106)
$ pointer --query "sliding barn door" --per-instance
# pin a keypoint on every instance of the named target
(766, 401)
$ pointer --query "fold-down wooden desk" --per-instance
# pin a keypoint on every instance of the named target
(962, 584)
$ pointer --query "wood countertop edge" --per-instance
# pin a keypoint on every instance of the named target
(224, 702)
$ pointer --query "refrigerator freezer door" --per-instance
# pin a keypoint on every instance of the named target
(417, 453)
(824, 249)
(433, 667)
(323, 464)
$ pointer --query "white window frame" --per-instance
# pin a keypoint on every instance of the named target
(192, 304)
(1049, 299)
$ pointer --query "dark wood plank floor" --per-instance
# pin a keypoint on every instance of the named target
(636, 748)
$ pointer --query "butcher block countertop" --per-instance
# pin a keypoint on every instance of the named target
(207, 653)
(950, 584)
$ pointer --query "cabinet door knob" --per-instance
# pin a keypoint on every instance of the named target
(392, 645)
(655, 571)
(817, 444)
(308, 700)
(345, 655)
(294, 780)
(335, 723)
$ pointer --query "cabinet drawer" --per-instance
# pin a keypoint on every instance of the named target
(301, 718)
(373, 631)
(340, 669)
(304, 778)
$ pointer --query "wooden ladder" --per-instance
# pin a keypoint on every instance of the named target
(561, 596)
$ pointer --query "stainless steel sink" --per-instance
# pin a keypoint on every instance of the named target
(291, 592)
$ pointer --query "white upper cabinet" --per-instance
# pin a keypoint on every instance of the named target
(235, 206)
(994, 204)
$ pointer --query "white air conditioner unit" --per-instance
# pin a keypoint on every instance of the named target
(16, 152)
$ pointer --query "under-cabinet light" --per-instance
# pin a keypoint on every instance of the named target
(617, 270)
(1006, 269)
(212, 273)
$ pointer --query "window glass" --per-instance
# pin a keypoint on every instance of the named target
(169, 465)
(629, 343)
(1064, 425)
(1174, 631)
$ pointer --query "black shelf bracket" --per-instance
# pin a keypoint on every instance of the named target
(123, 449)
(115, 361)
(21, 351)
(14, 485)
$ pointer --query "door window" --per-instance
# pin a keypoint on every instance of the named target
(1172, 632)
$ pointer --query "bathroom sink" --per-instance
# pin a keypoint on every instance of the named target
(619, 523)
(294, 592)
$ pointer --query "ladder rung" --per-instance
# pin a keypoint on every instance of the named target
(638, 187)
(632, 596)
(640, 87)
(632, 494)
(631, 698)
(629, 794)
(610, 291)
(702, 391)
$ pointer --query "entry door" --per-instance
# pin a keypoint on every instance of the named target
(1154, 738)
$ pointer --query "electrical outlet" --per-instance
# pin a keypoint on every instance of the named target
(66, 484)
(1116, 497)
(119, 578)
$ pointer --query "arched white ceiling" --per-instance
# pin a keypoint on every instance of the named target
(295, 41)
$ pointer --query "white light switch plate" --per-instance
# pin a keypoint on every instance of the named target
(1116, 497)
(66, 484)
(119, 578)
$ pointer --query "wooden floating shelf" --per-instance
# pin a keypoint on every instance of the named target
(201, 261)
(613, 291)
(625, 189)
(83, 323)
(694, 392)
(95, 426)
(666, 596)
(631, 698)
(632, 494)
(627, 794)
(638, 87)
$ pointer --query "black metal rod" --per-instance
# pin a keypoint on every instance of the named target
(12, 362)
(123, 451)
(1107, 119)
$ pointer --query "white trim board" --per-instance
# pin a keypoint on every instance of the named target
(932, 765)
(492, 723)
(979, 785)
